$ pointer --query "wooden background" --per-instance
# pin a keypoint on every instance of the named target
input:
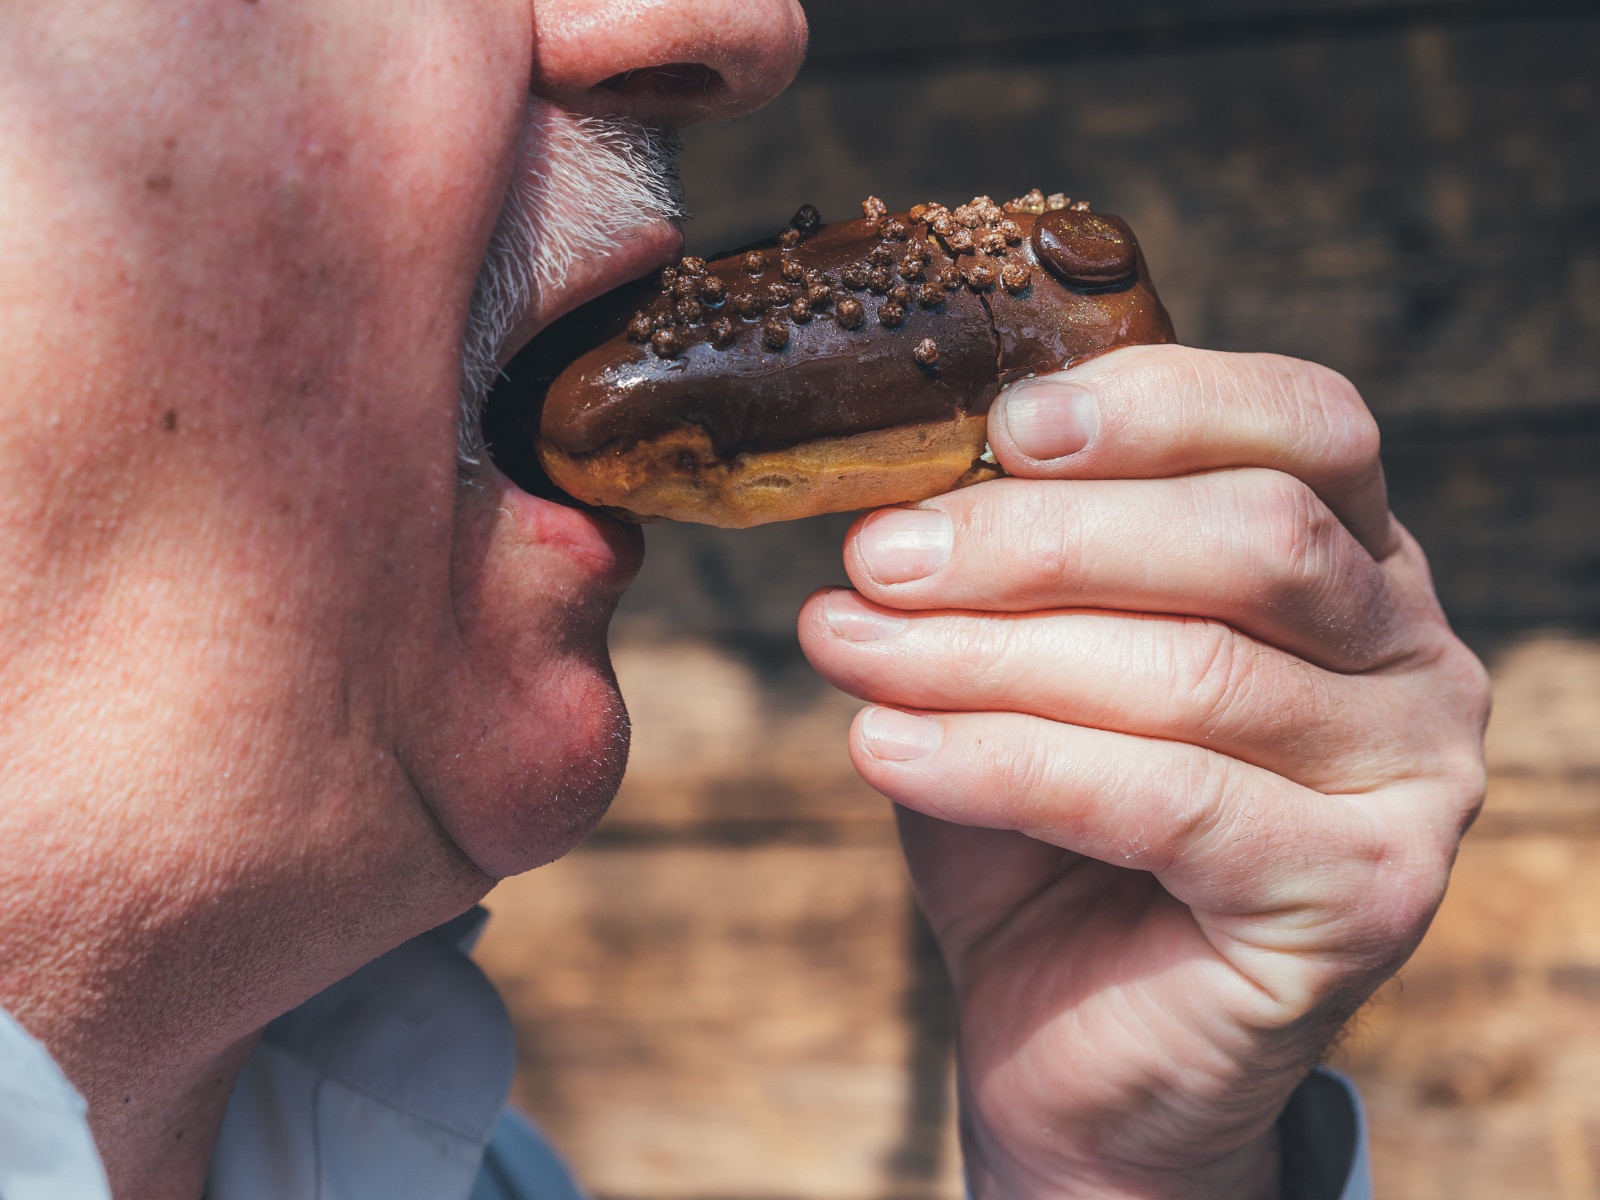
(726, 991)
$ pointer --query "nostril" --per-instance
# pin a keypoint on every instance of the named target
(686, 80)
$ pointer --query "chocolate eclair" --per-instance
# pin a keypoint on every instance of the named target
(833, 367)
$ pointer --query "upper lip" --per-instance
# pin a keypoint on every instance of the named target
(649, 248)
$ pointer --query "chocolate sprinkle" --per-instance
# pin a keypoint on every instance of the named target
(690, 311)
(873, 209)
(1056, 202)
(980, 276)
(755, 262)
(966, 215)
(693, 266)
(931, 295)
(960, 242)
(640, 328)
(881, 256)
(723, 332)
(667, 343)
(918, 212)
(669, 276)
(855, 275)
(789, 238)
(814, 277)
(687, 285)
(992, 241)
(713, 291)
(917, 248)
(1080, 206)
(775, 334)
(1015, 277)
(849, 313)
(807, 220)
(1032, 203)
(927, 352)
(879, 279)
(942, 225)
(911, 268)
(892, 315)
(780, 294)
(950, 276)
(820, 295)
(894, 231)
(800, 310)
(792, 271)
(747, 305)
(900, 294)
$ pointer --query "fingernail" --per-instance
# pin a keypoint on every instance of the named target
(850, 618)
(902, 544)
(1050, 418)
(897, 736)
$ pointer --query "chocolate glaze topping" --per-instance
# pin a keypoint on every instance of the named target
(831, 330)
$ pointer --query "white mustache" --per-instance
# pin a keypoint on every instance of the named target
(580, 183)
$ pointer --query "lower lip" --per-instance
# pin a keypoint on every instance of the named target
(608, 551)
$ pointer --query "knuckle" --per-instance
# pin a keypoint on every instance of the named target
(1197, 786)
(1019, 761)
(1211, 673)
(1296, 533)
(1342, 429)
(1040, 528)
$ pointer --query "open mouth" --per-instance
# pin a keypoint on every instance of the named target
(565, 328)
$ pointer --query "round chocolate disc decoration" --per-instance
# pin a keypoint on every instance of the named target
(1084, 248)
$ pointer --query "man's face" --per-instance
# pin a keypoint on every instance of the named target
(269, 226)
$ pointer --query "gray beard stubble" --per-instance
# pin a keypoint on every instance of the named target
(580, 183)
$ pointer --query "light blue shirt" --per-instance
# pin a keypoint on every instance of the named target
(392, 1085)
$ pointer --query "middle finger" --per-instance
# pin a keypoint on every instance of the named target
(1178, 679)
(1250, 547)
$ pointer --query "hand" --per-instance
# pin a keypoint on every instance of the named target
(1183, 747)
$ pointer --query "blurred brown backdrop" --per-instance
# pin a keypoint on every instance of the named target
(726, 991)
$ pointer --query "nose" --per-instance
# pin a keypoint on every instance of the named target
(668, 62)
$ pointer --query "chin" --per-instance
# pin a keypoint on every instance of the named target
(538, 781)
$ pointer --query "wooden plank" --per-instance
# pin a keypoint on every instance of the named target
(1480, 1066)
(726, 752)
(724, 1022)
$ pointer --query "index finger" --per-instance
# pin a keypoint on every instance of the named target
(1151, 412)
